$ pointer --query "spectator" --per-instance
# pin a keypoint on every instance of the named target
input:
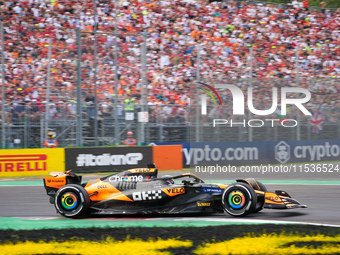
(8, 113)
(130, 141)
(54, 113)
(306, 4)
(34, 111)
(323, 6)
(107, 109)
(296, 4)
(51, 142)
(71, 109)
(19, 112)
(90, 107)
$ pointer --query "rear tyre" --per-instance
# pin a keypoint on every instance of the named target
(239, 199)
(72, 201)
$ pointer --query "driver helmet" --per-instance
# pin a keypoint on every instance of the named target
(169, 179)
(50, 135)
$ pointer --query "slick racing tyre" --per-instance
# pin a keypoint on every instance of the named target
(72, 201)
(239, 199)
(260, 198)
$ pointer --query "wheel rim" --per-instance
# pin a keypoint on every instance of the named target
(236, 199)
(69, 200)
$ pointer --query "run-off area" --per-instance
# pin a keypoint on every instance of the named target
(255, 239)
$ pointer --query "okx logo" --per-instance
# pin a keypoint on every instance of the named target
(204, 97)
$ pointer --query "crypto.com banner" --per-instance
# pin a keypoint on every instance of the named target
(107, 159)
(256, 153)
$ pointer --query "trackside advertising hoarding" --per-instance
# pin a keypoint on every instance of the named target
(256, 153)
(107, 159)
(30, 162)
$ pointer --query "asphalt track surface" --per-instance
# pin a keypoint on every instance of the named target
(323, 200)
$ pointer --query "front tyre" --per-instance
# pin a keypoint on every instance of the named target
(72, 201)
(239, 199)
(260, 198)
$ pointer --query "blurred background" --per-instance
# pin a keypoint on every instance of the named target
(72, 68)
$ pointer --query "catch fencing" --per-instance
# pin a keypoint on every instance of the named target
(25, 125)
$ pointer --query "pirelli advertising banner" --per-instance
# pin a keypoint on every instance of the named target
(30, 162)
(107, 159)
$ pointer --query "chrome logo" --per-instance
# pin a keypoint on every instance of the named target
(236, 199)
(69, 201)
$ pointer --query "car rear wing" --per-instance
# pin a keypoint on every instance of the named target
(59, 179)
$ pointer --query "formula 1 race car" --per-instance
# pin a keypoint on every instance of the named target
(139, 191)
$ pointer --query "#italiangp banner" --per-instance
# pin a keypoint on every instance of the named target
(30, 162)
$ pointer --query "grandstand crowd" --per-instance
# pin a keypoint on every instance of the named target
(175, 31)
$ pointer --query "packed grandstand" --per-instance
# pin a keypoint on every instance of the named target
(224, 31)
